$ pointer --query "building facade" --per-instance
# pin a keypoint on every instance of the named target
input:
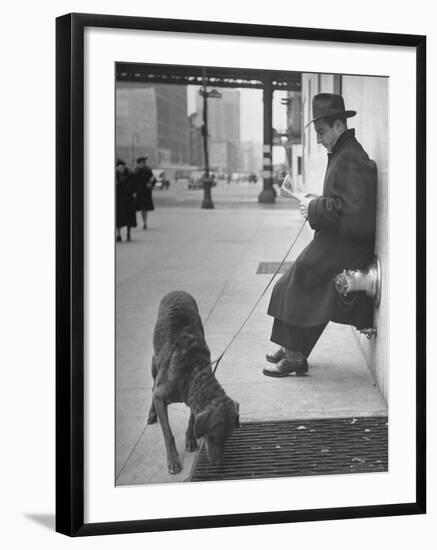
(223, 130)
(151, 120)
(196, 140)
(251, 157)
(369, 97)
(293, 138)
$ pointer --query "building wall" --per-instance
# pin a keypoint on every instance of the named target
(223, 129)
(196, 141)
(294, 117)
(251, 157)
(314, 157)
(136, 130)
(223, 115)
(173, 128)
(151, 120)
(218, 156)
(369, 97)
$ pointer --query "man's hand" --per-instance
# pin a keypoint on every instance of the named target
(304, 199)
(291, 189)
(303, 206)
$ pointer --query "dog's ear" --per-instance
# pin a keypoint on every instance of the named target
(237, 418)
(202, 423)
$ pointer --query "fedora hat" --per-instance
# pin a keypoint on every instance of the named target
(329, 105)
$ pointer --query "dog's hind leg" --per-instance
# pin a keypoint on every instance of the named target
(151, 419)
(190, 440)
(173, 462)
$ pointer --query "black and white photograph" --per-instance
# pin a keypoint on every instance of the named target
(251, 274)
(240, 254)
(215, 289)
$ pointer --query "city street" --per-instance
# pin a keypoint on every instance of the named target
(214, 255)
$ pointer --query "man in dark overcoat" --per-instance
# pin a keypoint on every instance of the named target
(144, 183)
(304, 299)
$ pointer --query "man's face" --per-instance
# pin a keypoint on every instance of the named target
(327, 135)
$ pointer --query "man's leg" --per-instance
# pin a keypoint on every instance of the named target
(292, 337)
(308, 337)
(296, 345)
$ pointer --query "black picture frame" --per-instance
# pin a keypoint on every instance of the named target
(70, 273)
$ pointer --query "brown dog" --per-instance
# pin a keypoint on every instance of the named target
(181, 369)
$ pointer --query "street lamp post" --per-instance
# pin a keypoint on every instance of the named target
(207, 181)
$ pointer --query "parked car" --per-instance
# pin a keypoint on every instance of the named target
(196, 179)
(162, 182)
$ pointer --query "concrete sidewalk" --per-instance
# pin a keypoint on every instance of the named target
(214, 255)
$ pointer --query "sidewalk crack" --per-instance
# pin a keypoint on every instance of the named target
(130, 455)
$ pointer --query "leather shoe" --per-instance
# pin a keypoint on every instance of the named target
(286, 367)
(277, 356)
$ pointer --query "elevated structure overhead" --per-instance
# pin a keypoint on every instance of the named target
(224, 77)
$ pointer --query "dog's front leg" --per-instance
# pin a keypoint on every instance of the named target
(190, 440)
(173, 462)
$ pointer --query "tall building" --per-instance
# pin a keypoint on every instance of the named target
(223, 130)
(151, 120)
(251, 157)
(196, 140)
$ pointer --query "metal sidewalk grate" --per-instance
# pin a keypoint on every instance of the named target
(300, 448)
(268, 268)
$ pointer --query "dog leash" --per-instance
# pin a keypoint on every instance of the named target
(217, 361)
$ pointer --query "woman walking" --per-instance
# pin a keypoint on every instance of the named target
(144, 183)
(125, 215)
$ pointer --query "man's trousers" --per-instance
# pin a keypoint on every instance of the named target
(295, 338)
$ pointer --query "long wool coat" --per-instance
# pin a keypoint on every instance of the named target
(125, 201)
(144, 183)
(344, 220)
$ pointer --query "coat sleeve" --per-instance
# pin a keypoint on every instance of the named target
(351, 207)
(150, 178)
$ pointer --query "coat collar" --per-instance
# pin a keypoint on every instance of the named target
(345, 136)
